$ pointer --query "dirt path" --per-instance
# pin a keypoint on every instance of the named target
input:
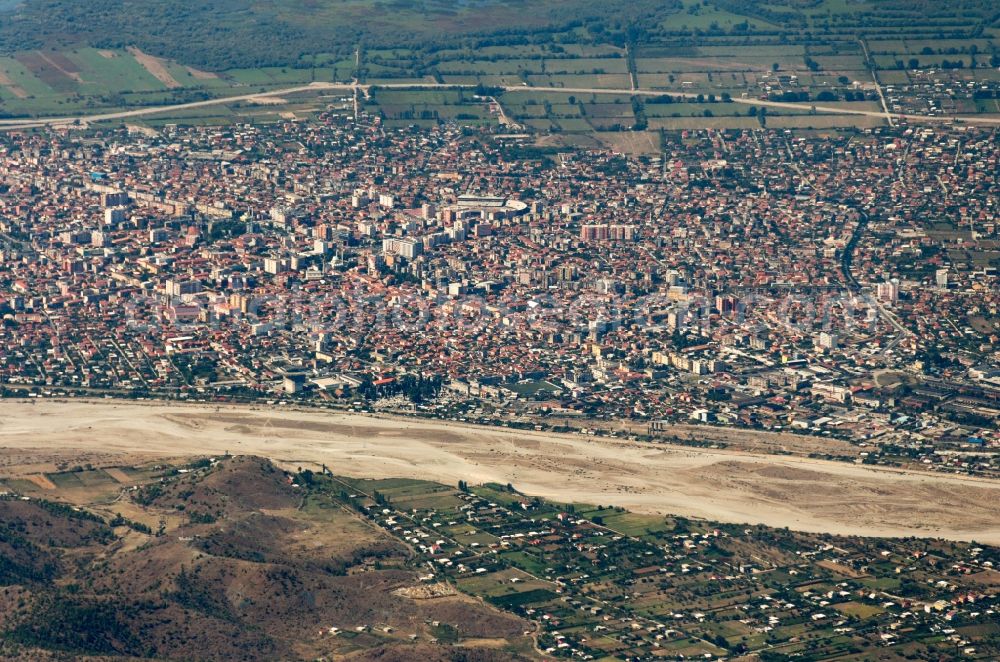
(801, 493)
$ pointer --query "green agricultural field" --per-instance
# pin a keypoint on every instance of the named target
(19, 82)
(95, 478)
(89, 80)
(614, 65)
(697, 15)
(105, 71)
(634, 524)
(65, 480)
(858, 610)
(528, 562)
(574, 125)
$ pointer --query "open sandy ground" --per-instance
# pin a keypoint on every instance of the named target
(797, 492)
(154, 66)
(201, 74)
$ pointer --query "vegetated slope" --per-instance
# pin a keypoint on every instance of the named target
(225, 34)
(33, 535)
(243, 567)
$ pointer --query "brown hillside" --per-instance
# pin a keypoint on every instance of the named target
(245, 566)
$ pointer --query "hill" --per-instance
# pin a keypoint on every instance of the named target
(234, 563)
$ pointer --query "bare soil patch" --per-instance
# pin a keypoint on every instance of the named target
(154, 66)
(427, 591)
(269, 101)
(202, 75)
(632, 142)
(41, 481)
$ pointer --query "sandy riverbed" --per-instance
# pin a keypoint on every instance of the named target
(800, 493)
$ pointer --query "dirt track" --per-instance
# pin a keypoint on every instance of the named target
(801, 493)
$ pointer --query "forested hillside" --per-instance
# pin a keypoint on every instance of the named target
(226, 34)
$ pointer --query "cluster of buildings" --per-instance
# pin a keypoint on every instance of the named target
(603, 583)
(841, 285)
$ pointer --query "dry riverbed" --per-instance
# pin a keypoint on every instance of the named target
(733, 486)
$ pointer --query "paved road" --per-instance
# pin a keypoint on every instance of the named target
(770, 104)
(848, 255)
(874, 72)
(852, 282)
(351, 87)
(156, 110)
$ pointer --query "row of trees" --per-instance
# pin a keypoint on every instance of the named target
(417, 388)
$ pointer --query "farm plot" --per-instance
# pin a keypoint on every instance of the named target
(57, 72)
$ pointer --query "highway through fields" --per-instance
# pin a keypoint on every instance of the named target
(26, 123)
